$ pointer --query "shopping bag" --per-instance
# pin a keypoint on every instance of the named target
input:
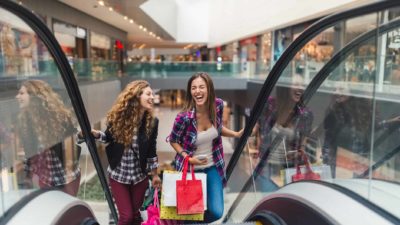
(169, 186)
(149, 199)
(169, 215)
(309, 174)
(189, 193)
(153, 211)
(323, 170)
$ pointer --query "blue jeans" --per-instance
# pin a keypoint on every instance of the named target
(215, 196)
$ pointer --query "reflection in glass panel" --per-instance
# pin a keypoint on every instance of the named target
(359, 25)
(282, 129)
(44, 129)
(37, 123)
(345, 133)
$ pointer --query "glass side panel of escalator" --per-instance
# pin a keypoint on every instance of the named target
(347, 129)
(38, 147)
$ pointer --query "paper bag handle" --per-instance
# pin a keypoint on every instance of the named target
(185, 169)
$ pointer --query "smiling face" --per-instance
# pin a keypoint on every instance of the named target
(198, 90)
(23, 97)
(297, 88)
(147, 99)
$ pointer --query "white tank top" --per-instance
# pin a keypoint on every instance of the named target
(204, 146)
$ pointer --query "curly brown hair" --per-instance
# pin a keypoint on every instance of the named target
(46, 114)
(124, 118)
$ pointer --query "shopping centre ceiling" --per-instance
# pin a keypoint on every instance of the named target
(127, 16)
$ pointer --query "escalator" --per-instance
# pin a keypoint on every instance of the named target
(355, 158)
(342, 115)
(42, 168)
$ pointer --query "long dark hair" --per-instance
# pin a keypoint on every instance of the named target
(190, 104)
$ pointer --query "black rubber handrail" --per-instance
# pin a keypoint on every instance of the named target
(338, 58)
(380, 162)
(15, 208)
(335, 61)
(47, 37)
(350, 193)
(281, 64)
(284, 60)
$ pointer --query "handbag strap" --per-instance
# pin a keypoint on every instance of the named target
(185, 169)
(306, 161)
(155, 197)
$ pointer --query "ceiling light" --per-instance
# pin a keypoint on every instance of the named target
(140, 27)
(131, 21)
(110, 8)
(101, 3)
(125, 17)
(144, 28)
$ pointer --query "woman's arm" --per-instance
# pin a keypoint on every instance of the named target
(388, 122)
(193, 160)
(230, 133)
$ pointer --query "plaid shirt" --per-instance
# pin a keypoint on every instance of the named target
(47, 166)
(184, 132)
(128, 170)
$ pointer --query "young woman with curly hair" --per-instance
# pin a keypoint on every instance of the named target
(44, 123)
(197, 133)
(131, 133)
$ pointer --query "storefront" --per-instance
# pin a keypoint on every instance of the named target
(73, 39)
(18, 50)
(264, 63)
(248, 55)
(100, 46)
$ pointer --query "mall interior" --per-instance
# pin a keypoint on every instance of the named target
(293, 76)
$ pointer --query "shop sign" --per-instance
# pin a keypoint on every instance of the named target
(99, 41)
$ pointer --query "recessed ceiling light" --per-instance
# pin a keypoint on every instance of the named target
(101, 3)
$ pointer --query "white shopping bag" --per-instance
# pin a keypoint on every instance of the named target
(169, 186)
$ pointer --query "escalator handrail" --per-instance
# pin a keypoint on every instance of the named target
(310, 91)
(284, 60)
(325, 71)
(47, 37)
(359, 198)
(330, 66)
(15, 208)
(279, 67)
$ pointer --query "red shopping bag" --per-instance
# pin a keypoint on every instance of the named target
(309, 174)
(189, 193)
(153, 211)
